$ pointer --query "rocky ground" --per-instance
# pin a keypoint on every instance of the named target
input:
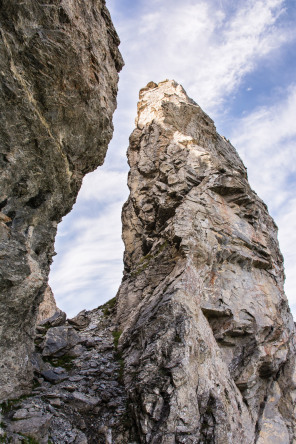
(78, 396)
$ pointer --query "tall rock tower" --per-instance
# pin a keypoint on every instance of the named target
(207, 335)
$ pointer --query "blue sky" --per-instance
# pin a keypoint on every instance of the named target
(237, 60)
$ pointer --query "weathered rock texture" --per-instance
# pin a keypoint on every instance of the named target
(208, 338)
(48, 306)
(59, 61)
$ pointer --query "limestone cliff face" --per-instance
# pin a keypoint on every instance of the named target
(59, 62)
(208, 338)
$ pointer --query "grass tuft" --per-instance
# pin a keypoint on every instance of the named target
(108, 307)
(65, 361)
(116, 335)
(28, 439)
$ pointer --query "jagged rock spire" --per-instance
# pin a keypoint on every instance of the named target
(207, 332)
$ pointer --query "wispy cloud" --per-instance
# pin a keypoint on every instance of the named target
(207, 48)
(266, 140)
(104, 186)
(88, 269)
(287, 237)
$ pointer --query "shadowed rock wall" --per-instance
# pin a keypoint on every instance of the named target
(208, 338)
(59, 62)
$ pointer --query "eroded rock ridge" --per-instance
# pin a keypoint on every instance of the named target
(208, 339)
(59, 62)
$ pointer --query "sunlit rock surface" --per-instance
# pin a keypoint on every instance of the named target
(208, 338)
(59, 62)
(48, 306)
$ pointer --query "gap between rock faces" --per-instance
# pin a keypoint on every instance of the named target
(208, 338)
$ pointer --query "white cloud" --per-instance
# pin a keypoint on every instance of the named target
(104, 185)
(266, 140)
(88, 270)
(287, 237)
(206, 49)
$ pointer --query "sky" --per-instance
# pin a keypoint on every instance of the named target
(237, 60)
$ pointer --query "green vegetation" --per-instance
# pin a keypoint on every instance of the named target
(3, 438)
(8, 405)
(116, 335)
(144, 262)
(28, 439)
(162, 247)
(65, 361)
(146, 258)
(177, 338)
(139, 270)
(36, 384)
(108, 307)
(38, 341)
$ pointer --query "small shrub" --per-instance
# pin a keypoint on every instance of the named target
(28, 439)
(8, 405)
(65, 361)
(116, 335)
(177, 338)
(3, 438)
(108, 307)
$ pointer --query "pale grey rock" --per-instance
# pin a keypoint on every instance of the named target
(35, 426)
(48, 306)
(58, 86)
(83, 402)
(76, 351)
(80, 321)
(208, 339)
(57, 318)
(59, 340)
